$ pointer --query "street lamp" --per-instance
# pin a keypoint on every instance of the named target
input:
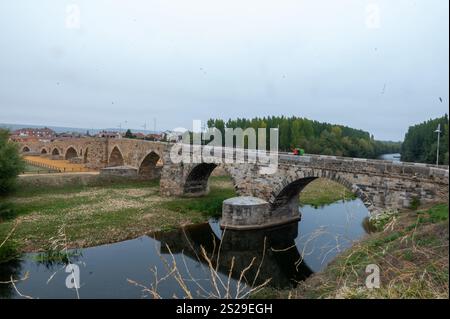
(438, 131)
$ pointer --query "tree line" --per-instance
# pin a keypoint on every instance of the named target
(313, 136)
(420, 144)
(11, 163)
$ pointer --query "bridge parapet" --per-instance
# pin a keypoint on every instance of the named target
(370, 166)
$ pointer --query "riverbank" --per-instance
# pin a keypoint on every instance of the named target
(94, 215)
(410, 249)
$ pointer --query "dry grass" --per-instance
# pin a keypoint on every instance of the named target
(411, 252)
(63, 165)
(96, 215)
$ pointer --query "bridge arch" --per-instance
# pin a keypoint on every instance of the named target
(150, 166)
(26, 149)
(196, 182)
(70, 153)
(43, 151)
(116, 157)
(55, 151)
(285, 195)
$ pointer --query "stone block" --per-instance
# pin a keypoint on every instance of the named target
(119, 171)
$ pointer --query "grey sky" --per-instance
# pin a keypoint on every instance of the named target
(179, 60)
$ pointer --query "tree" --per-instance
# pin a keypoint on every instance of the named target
(315, 137)
(420, 144)
(11, 163)
(128, 134)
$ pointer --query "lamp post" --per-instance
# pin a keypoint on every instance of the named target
(438, 131)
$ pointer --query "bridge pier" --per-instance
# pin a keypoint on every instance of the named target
(247, 212)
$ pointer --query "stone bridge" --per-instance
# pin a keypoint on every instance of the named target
(380, 184)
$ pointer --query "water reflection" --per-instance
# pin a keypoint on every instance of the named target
(262, 254)
(9, 270)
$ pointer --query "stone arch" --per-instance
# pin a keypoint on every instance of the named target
(116, 157)
(285, 195)
(70, 153)
(196, 182)
(26, 149)
(150, 166)
(43, 151)
(55, 151)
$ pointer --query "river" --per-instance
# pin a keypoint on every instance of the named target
(283, 255)
(395, 157)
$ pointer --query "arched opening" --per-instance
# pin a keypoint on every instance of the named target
(116, 158)
(332, 214)
(151, 166)
(314, 191)
(55, 151)
(25, 149)
(287, 200)
(43, 151)
(198, 180)
(85, 157)
(71, 153)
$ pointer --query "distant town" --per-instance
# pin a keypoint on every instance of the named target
(45, 134)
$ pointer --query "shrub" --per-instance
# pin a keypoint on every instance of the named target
(9, 250)
(11, 163)
(378, 222)
(415, 203)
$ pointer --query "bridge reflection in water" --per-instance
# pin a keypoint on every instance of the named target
(272, 253)
(323, 233)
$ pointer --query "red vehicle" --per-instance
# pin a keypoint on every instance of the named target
(298, 151)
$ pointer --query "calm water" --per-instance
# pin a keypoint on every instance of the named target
(285, 254)
(391, 157)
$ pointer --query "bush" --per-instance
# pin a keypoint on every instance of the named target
(8, 251)
(415, 203)
(11, 163)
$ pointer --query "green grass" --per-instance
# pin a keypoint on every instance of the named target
(33, 169)
(55, 257)
(99, 214)
(209, 206)
(322, 192)
(10, 250)
(435, 214)
(31, 190)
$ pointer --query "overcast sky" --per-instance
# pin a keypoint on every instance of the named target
(376, 65)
